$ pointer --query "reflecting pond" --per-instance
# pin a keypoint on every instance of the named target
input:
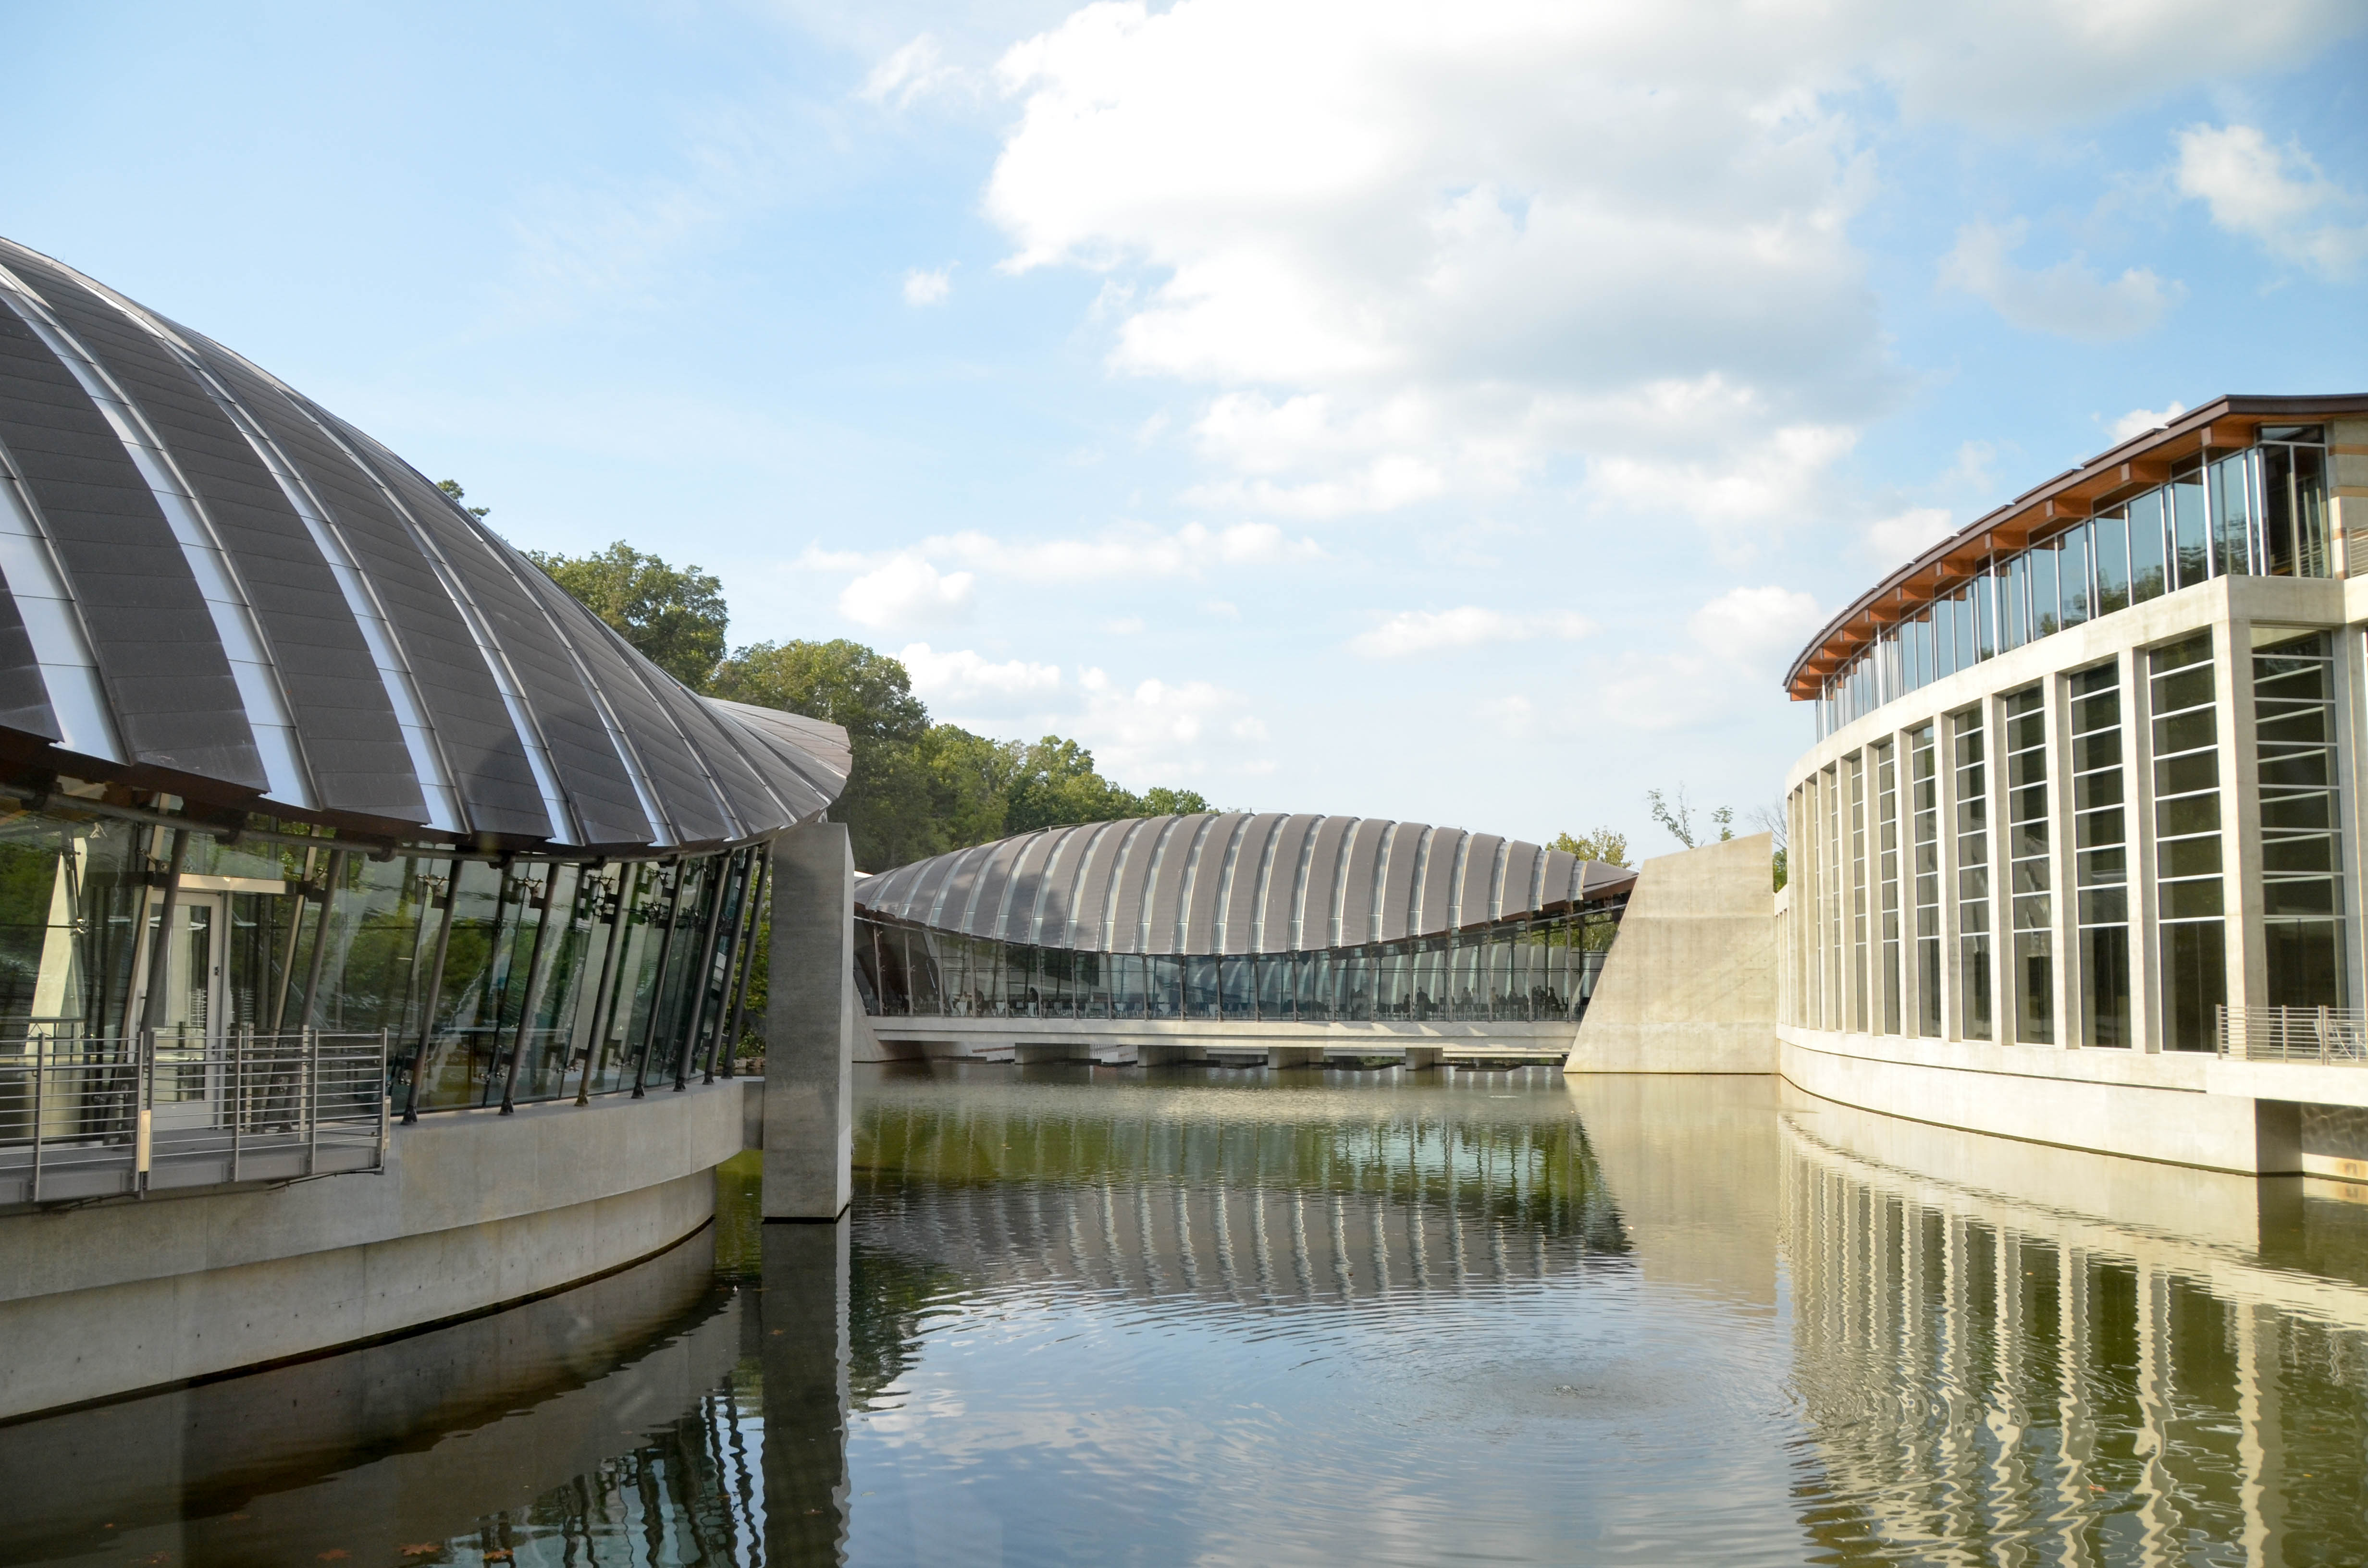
(1232, 1317)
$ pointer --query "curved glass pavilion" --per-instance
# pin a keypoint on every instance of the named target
(1240, 916)
(293, 749)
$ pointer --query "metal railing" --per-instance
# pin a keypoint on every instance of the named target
(85, 1117)
(2334, 1035)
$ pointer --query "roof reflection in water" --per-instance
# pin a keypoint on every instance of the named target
(1238, 1194)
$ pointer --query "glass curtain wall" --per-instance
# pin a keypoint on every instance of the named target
(1517, 970)
(1924, 783)
(2100, 862)
(1973, 875)
(2186, 796)
(2302, 859)
(521, 983)
(1860, 969)
(2031, 878)
(2259, 511)
(1886, 803)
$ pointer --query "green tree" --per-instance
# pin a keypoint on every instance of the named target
(453, 487)
(1160, 800)
(675, 616)
(1676, 813)
(1608, 845)
(887, 805)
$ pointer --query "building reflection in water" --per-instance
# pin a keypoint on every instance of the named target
(2007, 1353)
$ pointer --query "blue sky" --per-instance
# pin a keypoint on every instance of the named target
(1455, 413)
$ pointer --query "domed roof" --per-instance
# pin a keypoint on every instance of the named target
(1235, 882)
(217, 587)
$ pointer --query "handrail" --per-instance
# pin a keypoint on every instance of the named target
(84, 1116)
(2333, 1036)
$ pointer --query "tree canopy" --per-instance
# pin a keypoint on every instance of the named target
(675, 616)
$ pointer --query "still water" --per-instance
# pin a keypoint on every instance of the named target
(1208, 1317)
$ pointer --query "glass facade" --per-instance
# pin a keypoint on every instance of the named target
(2302, 833)
(1886, 806)
(2030, 874)
(2186, 840)
(2101, 856)
(2259, 511)
(1515, 971)
(1974, 987)
(498, 983)
(1924, 780)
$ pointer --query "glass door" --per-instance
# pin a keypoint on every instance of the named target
(190, 1033)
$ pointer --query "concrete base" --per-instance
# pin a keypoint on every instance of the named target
(475, 1210)
(2179, 1108)
(1689, 986)
(812, 1020)
(1418, 1057)
(1294, 1056)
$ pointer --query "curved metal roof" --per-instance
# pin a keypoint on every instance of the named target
(216, 586)
(1234, 882)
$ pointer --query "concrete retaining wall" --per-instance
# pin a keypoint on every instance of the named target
(475, 1210)
(1690, 984)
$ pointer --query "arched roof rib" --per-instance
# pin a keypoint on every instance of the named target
(1233, 883)
(217, 587)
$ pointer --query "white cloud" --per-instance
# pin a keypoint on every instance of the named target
(1407, 254)
(907, 591)
(1738, 643)
(1901, 538)
(1516, 716)
(2068, 299)
(929, 287)
(2139, 421)
(1425, 631)
(1163, 732)
(913, 71)
(964, 675)
(2276, 196)
(1135, 551)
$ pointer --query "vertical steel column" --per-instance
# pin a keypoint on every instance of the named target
(312, 1013)
(620, 924)
(534, 978)
(731, 1044)
(288, 959)
(658, 986)
(701, 971)
(238, 1093)
(160, 951)
(435, 992)
(730, 953)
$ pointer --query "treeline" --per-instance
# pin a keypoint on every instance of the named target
(918, 788)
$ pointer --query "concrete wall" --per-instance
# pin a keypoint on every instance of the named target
(1690, 984)
(810, 1027)
(475, 1210)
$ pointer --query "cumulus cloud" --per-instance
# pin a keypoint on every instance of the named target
(1405, 254)
(913, 71)
(1426, 631)
(907, 591)
(1907, 534)
(929, 287)
(1735, 648)
(2068, 299)
(964, 676)
(2274, 195)
(2139, 421)
(1166, 731)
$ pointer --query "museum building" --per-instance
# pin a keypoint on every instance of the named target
(318, 801)
(2086, 772)
(1241, 916)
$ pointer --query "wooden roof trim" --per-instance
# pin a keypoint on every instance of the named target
(2071, 497)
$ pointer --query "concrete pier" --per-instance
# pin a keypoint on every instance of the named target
(1294, 1056)
(810, 1027)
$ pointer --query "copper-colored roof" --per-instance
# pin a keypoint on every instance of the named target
(2137, 464)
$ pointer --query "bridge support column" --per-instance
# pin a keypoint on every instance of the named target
(1294, 1056)
(810, 1027)
(1041, 1052)
(1418, 1057)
